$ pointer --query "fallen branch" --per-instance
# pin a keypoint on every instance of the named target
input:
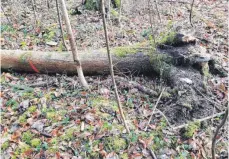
(41, 84)
(152, 154)
(159, 98)
(138, 86)
(164, 117)
(217, 105)
(216, 133)
(198, 120)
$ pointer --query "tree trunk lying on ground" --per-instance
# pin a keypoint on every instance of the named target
(166, 62)
(184, 67)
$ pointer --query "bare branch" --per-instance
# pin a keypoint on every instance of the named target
(34, 11)
(60, 23)
(216, 133)
(158, 13)
(190, 16)
(111, 67)
(159, 98)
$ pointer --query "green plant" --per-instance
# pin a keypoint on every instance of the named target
(27, 137)
(69, 133)
(114, 13)
(5, 145)
(191, 129)
(92, 5)
(22, 118)
(117, 3)
(35, 142)
(168, 38)
(12, 103)
(124, 51)
(115, 144)
(32, 109)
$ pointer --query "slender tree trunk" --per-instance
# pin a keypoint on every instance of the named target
(73, 45)
(151, 22)
(158, 13)
(109, 10)
(34, 11)
(60, 23)
(111, 68)
(120, 12)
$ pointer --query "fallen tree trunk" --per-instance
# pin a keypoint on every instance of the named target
(93, 62)
(171, 63)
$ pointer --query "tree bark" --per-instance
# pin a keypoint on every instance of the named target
(73, 45)
(93, 62)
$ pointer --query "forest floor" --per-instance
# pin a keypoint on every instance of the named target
(52, 116)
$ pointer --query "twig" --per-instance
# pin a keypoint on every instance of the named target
(60, 23)
(111, 67)
(152, 154)
(120, 12)
(34, 11)
(217, 105)
(46, 134)
(159, 98)
(41, 84)
(199, 120)
(158, 13)
(190, 16)
(108, 12)
(138, 86)
(216, 133)
(164, 117)
(151, 23)
(6, 15)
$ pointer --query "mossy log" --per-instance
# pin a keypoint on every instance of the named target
(93, 62)
(164, 62)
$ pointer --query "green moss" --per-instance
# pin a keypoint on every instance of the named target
(32, 109)
(22, 148)
(22, 118)
(27, 137)
(191, 129)
(124, 51)
(114, 13)
(205, 69)
(51, 115)
(53, 149)
(168, 38)
(35, 142)
(12, 103)
(54, 141)
(117, 3)
(27, 95)
(162, 64)
(5, 145)
(115, 144)
(187, 105)
(92, 5)
(69, 133)
(124, 156)
(23, 58)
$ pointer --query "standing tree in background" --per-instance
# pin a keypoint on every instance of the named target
(73, 45)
